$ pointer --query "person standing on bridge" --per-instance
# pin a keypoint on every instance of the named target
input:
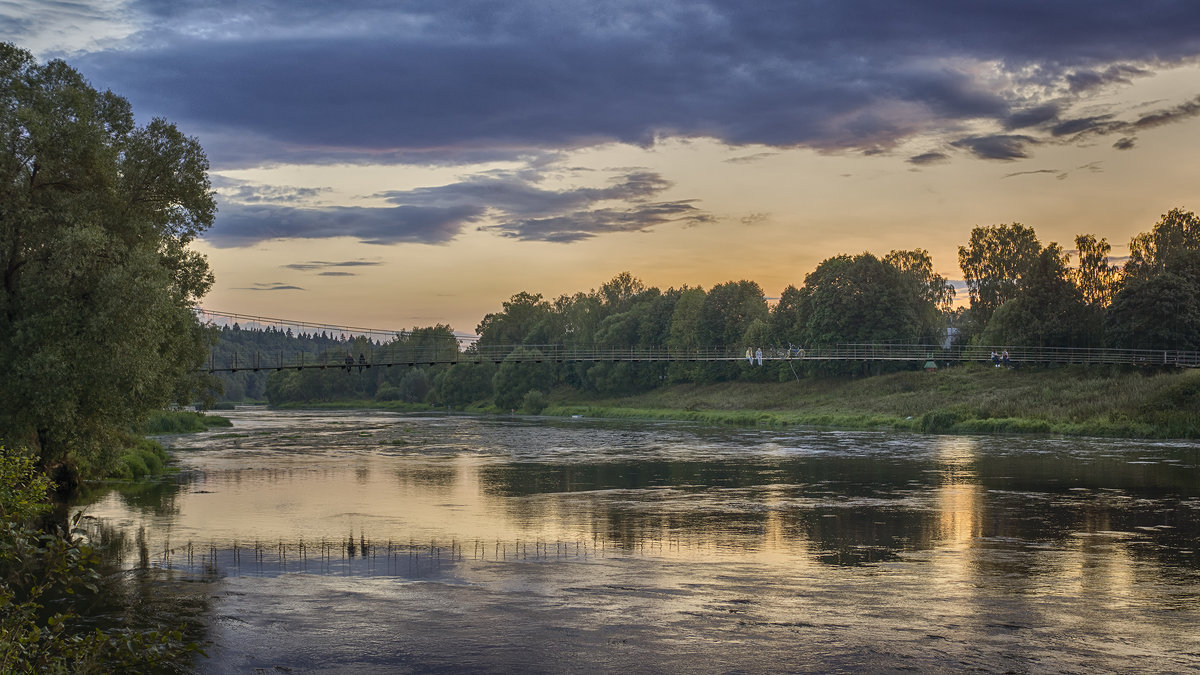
(749, 356)
(349, 361)
(362, 361)
(758, 355)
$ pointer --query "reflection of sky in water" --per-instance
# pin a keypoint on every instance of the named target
(675, 489)
(793, 530)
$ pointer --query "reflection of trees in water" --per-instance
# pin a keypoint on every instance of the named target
(787, 505)
(152, 497)
(137, 597)
(851, 510)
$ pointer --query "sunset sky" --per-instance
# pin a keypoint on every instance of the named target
(393, 164)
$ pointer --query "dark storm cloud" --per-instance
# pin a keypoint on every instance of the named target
(435, 81)
(514, 203)
(1125, 143)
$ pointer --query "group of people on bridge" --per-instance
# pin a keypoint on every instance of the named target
(362, 361)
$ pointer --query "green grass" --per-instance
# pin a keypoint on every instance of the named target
(144, 459)
(181, 422)
(966, 399)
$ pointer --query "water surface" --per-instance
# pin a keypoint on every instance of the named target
(376, 542)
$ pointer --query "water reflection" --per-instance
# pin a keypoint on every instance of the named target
(977, 540)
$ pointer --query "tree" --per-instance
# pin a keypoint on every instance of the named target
(1159, 312)
(521, 372)
(99, 282)
(861, 299)
(727, 311)
(1048, 310)
(930, 288)
(993, 263)
(683, 333)
(513, 326)
(1172, 245)
(465, 383)
(1158, 306)
(1095, 277)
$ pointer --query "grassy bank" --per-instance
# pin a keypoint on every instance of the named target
(967, 399)
(143, 457)
(181, 422)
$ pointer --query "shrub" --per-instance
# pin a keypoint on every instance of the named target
(534, 402)
(36, 566)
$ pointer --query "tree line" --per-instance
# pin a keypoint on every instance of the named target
(1021, 293)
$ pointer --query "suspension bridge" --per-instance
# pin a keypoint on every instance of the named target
(383, 350)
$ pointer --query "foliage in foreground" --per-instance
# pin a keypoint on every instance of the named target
(42, 576)
(97, 215)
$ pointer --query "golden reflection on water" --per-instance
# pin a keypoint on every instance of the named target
(958, 497)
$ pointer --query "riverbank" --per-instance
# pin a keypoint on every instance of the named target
(1074, 401)
(144, 457)
(969, 399)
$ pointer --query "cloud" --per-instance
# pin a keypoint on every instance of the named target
(246, 192)
(1087, 80)
(1074, 127)
(270, 286)
(1168, 115)
(587, 224)
(430, 81)
(513, 203)
(325, 264)
(999, 146)
(929, 158)
(1125, 143)
(750, 159)
(241, 225)
(1054, 172)
(1030, 117)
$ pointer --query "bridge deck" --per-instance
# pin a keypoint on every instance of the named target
(450, 354)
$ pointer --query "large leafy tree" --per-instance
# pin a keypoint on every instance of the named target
(523, 314)
(993, 263)
(98, 280)
(1049, 310)
(1172, 245)
(858, 299)
(1158, 306)
(931, 293)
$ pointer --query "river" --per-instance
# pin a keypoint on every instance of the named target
(352, 541)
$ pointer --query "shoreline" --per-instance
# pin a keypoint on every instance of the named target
(968, 399)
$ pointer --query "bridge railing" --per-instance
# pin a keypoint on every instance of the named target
(390, 355)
